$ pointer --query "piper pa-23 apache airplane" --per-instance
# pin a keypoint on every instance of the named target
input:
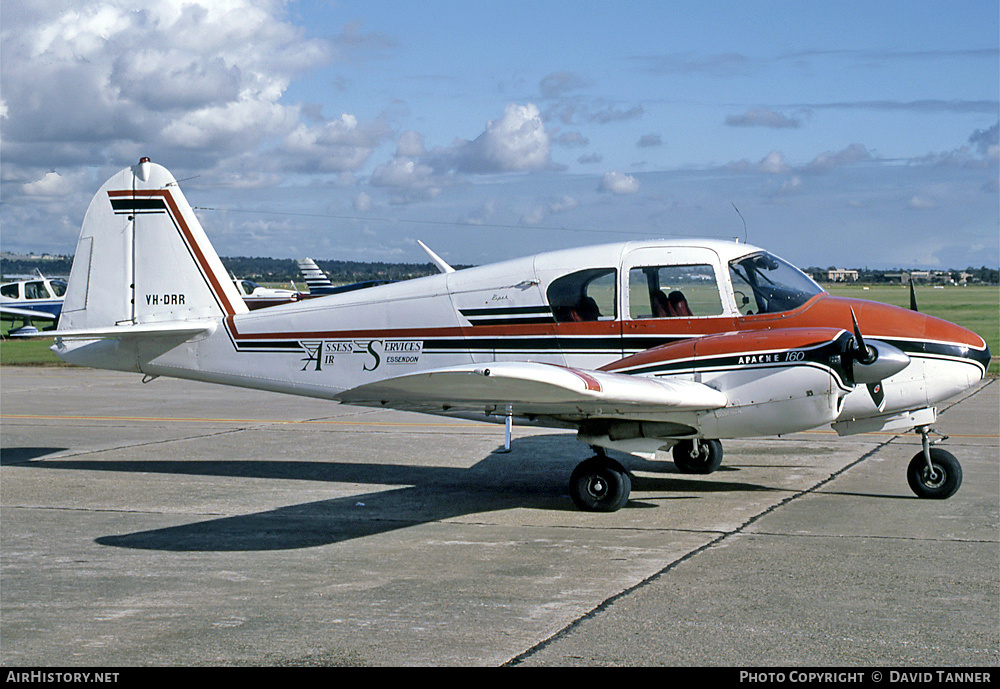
(639, 346)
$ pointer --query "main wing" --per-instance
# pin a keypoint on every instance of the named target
(526, 389)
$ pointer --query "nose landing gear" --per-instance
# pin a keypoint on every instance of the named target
(933, 473)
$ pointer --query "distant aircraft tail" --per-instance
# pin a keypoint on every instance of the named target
(143, 260)
(316, 279)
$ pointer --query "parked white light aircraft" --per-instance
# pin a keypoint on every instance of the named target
(257, 297)
(39, 298)
(639, 346)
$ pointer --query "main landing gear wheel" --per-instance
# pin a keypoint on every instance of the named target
(939, 479)
(600, 484)
(697, 456)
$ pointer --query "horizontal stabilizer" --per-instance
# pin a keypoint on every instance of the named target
(167, 329)
(534, 389)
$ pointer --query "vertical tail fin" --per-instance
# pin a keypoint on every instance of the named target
(316, 279)
(143, 257)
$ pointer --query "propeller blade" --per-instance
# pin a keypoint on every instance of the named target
(873, 362)
(862, 352)
(913, 297)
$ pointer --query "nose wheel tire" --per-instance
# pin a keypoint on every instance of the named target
(707, 459)
(600, 484)
(938, 481)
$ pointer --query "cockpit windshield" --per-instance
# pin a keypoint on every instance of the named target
(764, 283)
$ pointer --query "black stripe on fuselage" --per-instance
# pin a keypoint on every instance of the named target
(943, 350)
(506, 311)
(826, 355)
(514, 320)
(526, 345)
(509, 315)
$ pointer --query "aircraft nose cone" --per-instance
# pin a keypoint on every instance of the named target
(958, 343)
(981, 356)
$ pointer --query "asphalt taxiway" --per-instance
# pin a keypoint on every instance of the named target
(176, 524)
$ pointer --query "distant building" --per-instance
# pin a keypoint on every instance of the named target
(841, 275)
(934, 277)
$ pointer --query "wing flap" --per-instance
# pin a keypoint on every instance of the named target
(534, 388)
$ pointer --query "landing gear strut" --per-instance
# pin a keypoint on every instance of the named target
(933, 473)
(600, 484)
(697, 456)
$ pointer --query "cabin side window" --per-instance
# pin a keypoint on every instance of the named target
(35, 290)
(588, 295)
(673, 292)
(9, 290)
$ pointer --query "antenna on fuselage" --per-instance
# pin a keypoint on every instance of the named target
(744, 222)
(438, 261)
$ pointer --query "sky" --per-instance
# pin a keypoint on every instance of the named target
(848, 134)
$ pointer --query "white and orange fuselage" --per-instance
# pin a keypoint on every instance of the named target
(751, 327)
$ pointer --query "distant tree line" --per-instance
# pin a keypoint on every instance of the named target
(989, 276)
(262, 269)
(284, 270)
(27, 265)
(258, 269)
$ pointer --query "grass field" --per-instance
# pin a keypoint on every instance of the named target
(26, 352)
(975, 308)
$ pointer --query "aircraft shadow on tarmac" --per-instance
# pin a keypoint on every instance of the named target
(10, 456)
(534, 474)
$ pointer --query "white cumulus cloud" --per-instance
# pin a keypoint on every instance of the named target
(516, 141)
(51, 184)
(340, 145)
(85, 78)
(409, 180)
(619, 183)
(773, 163)
(824, 162)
